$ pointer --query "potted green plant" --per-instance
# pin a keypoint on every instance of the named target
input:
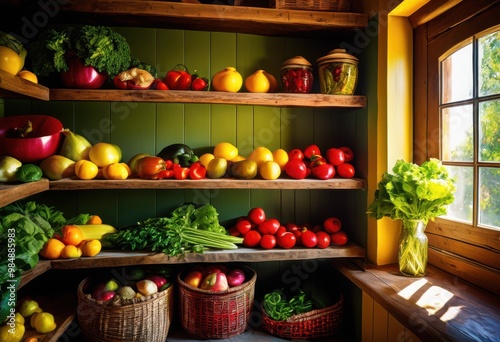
(414, 194)
(84, 56)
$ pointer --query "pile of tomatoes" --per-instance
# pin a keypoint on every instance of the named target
(311, 162)
(259, 231)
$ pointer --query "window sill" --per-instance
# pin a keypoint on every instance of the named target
(438, 306)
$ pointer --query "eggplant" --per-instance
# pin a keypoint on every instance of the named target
(179, 154)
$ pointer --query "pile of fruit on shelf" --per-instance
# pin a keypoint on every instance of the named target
(12, 57)
(215, 277)
(76, 241)
(259, 231)
(28, 316)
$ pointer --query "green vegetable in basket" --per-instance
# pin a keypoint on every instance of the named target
(279, 308)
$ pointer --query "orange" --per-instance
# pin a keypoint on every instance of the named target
(52, 249)
(71, 252)
(71, 235)
(90, 248)
(28, 75)
(94, 219)
(85, 169)
(116, 171)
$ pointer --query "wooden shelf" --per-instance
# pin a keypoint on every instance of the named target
(14, 192)
(15, 86)
(175, 15)
(126, 258)
(206, 183)
(210, 97)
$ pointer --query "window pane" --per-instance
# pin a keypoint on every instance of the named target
(457, 133)
(489, 64)
(489, 197)
(457, 75)
(461, 208)
(489, 131)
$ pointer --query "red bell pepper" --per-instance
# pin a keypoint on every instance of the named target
(180, 172)
(178, 78)
(197, 171)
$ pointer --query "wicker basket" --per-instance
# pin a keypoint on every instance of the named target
(312, 5)
(147, 319)
(211, 314)
(312, 324)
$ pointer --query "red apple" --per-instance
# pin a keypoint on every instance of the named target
(98, 290)
(106, 296)
(348, 154)
(235, 277)
(216, 269)
(215, 282)
(157, 279)
(335, 156)
(193, 278)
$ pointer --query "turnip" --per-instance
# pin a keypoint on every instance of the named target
(235, 277)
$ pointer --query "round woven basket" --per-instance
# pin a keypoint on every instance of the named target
(312, 324)
(212, 314)
(145, 319)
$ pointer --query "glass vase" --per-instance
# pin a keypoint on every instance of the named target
(413, 248)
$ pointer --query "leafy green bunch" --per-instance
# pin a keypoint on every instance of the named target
(97, 46)
(413, 192)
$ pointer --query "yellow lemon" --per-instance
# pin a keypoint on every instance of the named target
(228, 80)
(225, 150)
(43, 322)
(71, 252)
(116, 171)
(10, 61)
(85, 169)
(269, 170)
(28, 75)
(103, 154)
(206, 158)
(261, 154)
(12, 334)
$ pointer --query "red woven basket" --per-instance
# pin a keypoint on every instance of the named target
(212, 314)
(312, 324)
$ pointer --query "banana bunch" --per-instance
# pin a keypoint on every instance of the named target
(14, 44)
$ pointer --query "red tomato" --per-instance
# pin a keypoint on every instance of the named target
(251, 239)
(149, 167)
(269, 226)
(119, 83)
(311, 150)
(317, 228)
(323, 239)
(200, 83)
(197, 171)
(338, 238)
(295, 154)
(335, 156)
(325, 171)
(317, 160)
(345, 170)
(332, 225)
(178, 78)
(296, 168)
(243, 226)
(168, 164)
(348, 154)
(256, 215)
(287, 240)
(233, 231)
(268, 241)
(308, 238)
(281, 231)
(158, 84)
